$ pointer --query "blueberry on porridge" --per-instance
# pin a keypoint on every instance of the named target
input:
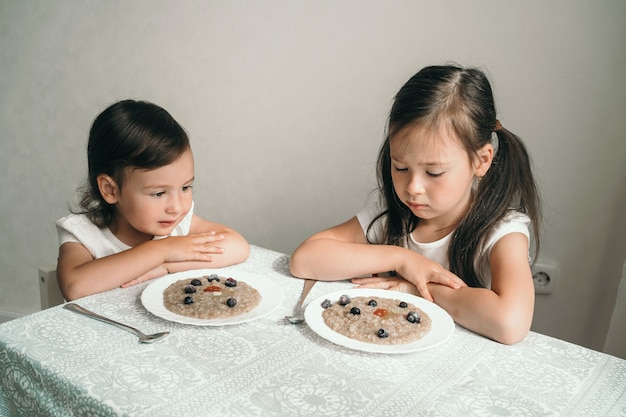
(213, 277)
(344, 300)
(413, 317)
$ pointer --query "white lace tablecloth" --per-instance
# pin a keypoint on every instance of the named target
(58, 363)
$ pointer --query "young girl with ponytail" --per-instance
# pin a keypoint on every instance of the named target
(457, 205)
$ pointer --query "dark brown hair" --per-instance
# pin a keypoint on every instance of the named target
(128, 133)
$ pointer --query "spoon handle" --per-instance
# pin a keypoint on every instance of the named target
(82, 310)
(308, 284)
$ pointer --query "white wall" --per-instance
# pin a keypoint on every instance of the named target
(286, 102)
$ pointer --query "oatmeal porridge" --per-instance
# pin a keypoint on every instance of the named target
(210, 297)
(378, 320)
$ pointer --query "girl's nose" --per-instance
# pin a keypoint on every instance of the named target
(415, 185)
(174, 204)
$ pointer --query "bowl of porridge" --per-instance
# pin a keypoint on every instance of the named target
(211, 297)
(379, 320)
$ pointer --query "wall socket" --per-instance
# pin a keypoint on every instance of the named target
(545, 275)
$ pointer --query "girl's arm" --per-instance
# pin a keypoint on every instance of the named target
(80, 275)
(343, 252)
(210, 246)
(230, 248)
(503, 313)
(234, 248)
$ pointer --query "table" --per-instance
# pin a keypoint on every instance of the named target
(58, 363)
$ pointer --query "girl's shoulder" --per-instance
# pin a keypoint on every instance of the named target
(515, 217)
(372, 210)
(75, 221)
(513, 222)
(78, 228)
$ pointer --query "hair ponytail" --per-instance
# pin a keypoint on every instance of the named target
(508, 185)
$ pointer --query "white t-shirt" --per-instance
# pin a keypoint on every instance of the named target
(101, 242)
(513, 222)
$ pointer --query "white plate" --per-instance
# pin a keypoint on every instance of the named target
(442, 324)
(271, 297)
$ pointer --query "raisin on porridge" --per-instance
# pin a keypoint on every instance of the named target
(378, 320)
(210, 297)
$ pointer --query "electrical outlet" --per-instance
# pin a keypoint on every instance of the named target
(544, 277)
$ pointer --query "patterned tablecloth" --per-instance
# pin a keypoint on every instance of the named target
(58, 363)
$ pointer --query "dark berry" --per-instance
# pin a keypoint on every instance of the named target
(355, 310)
(231, 302)
(403, 304)
(213, 277)
(188, 300)
(413, 317)
(190, 289)
(372, 303)
(326, 303)
(230, 282)
(196, 282)
(344, 300)
(382, 333)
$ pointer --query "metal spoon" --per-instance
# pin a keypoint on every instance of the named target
(143, 338)
(298, 312)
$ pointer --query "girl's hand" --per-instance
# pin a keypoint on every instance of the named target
(178, 249)
(419, 271)
(386, 283)
(159, 271)
(196, 247)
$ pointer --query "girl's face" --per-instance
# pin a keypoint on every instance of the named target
(433, 175)
(152, 202)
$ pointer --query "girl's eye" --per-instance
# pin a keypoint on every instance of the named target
(399, 169)
(159, 194)
(434, 174)
(187, 187)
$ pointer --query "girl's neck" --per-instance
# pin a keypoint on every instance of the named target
(128, 234)
(425, 233)
(432, 230)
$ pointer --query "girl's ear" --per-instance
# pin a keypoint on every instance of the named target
(484, 156)
(108, 188)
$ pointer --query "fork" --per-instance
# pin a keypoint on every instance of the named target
(143, 338)
(298, 313)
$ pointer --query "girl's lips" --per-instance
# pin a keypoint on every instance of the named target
(416, 206)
